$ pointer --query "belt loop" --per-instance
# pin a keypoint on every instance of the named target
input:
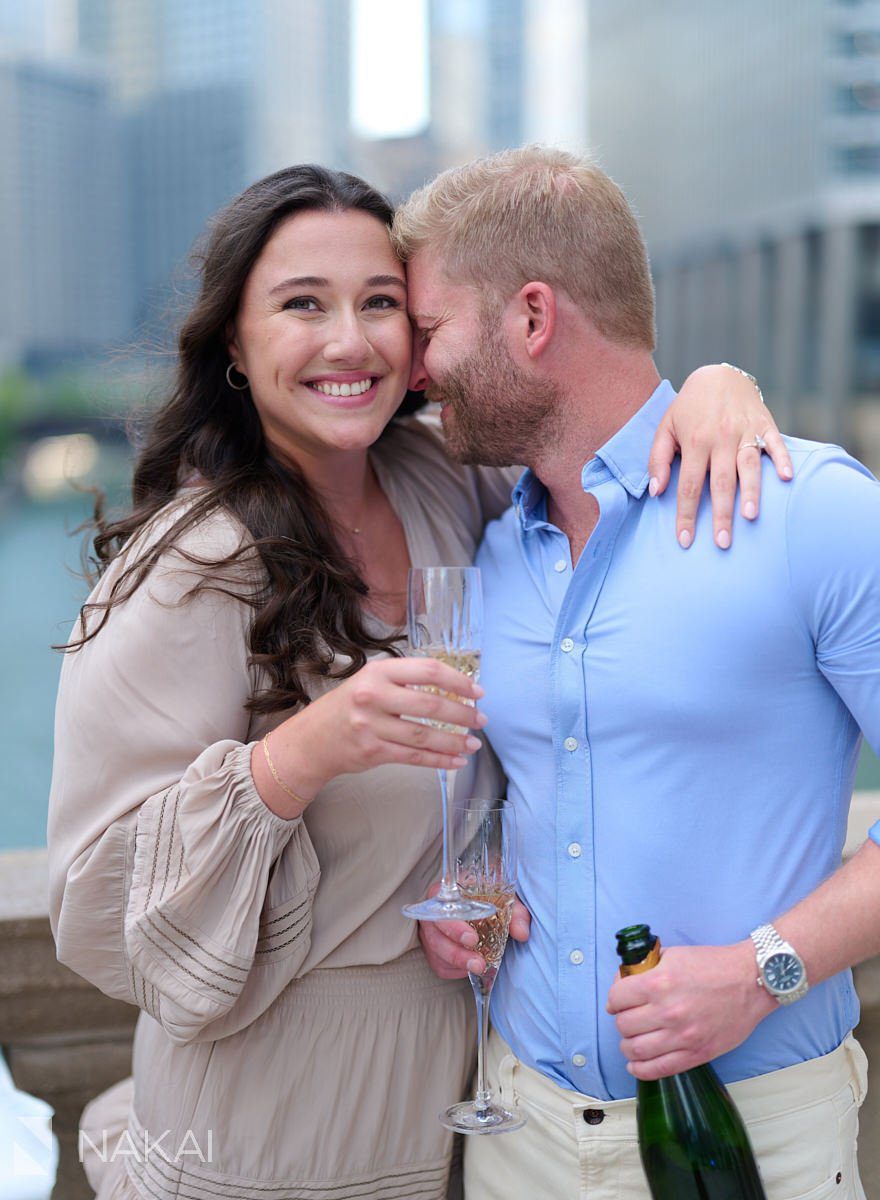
(506, 1068)
(858, 1065)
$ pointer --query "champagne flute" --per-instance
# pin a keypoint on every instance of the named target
(445, 617)
(485, 866)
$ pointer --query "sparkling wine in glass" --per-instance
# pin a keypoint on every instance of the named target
(485, 867)
(445, 620)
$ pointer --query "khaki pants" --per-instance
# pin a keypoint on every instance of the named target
(803, 1123)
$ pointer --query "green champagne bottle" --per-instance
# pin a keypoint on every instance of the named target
(692, 1140)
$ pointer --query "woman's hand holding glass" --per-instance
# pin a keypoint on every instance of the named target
(379, 716)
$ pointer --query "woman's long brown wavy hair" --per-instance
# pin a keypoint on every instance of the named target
(308, 602)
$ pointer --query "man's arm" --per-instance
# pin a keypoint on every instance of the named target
(702, 1001)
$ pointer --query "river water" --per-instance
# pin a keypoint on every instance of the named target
(40, 595)
(41, 590)
(39, 599)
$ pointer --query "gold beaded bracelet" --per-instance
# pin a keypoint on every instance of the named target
(292, 794)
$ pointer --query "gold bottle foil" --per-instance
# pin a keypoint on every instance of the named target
(650, 960)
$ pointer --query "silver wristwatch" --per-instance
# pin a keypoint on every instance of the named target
(781, 969)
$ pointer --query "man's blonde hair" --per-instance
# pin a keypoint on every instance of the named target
(537, 213)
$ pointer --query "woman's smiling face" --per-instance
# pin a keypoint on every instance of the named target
(322, 333)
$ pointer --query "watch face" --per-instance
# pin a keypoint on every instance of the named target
(783, 972)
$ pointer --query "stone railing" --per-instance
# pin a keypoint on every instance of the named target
(65, 1041)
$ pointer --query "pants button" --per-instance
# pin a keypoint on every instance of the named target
(594, 1116)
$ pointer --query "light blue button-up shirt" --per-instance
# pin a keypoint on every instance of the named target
(680, 732)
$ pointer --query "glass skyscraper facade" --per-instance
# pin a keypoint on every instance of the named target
(748, 138)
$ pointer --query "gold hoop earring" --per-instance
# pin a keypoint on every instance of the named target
(236, 387)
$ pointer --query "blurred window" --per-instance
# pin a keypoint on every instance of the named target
(859, 160)
(767, 322)
(867, 350)
(863, 43)
(858, 98)
(810, 339)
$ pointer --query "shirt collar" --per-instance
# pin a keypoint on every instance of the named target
(529, 498)
(625, 455)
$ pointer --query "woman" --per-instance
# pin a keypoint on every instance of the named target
(238, 809)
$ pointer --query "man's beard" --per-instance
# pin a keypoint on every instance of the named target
(498, 415)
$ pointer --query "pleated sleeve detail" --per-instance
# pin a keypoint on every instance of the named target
(216, 926)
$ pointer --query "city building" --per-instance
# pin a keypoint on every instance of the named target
(63, 235)
(153, 113)
(502, 72)
(301, 84)
(212, 94)
(555, 108)
(748, 138)
(46, 28)
(289, 56)
(186, 151)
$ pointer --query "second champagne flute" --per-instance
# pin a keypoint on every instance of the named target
(445, 620)
(485, 863)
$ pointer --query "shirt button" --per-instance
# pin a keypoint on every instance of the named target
(576, 957)
(560, 565)
(578, 1060)
(570, 743)
(566, 644)
(574, 850)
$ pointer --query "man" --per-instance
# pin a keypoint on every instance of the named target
(679, 730)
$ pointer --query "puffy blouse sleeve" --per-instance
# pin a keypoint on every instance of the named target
(172, 885)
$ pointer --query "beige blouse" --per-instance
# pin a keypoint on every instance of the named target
(172, 885)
